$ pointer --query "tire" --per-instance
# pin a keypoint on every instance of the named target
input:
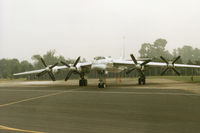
(99, 85)
(85, 82)
(139, 81)
(144, 81)
(103, 85)
(80, 82)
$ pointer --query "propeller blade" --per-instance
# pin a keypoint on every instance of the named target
(164, 60)
(47, 71)
(77, 60)
(176, 59)
(164, 71)
(176, 72)
(53, 65)
(43, 62)
(130, 70)
(65, 64)
(77, 72)
(68, 75)
(133, 58)
(52, 76)
(42, 73)
(145, 62)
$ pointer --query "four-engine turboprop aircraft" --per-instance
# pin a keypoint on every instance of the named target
(104, 65)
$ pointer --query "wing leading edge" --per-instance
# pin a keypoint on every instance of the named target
(128, 63)
(84, 66)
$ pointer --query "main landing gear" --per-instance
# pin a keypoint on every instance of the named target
(83, 81)
(142, 80)
(102, 83)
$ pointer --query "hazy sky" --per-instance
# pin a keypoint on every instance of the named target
(94, 27)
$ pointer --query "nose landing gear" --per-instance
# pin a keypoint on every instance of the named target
(102, 85)
(102, 82)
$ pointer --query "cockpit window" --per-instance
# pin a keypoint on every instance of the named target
(99, 58)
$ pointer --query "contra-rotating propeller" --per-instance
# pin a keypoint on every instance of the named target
(139, 67)
(170, 65)
(72, 68)
(48, 70)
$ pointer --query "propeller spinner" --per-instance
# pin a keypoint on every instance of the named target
(170, 65)
(48, 70)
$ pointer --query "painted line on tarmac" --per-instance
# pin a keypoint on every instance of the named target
(34, 98)
(18, 130)
(30, 90)
(136, 93)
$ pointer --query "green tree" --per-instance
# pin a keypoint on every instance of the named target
(189, 53)
(155, 50)
(145, 50)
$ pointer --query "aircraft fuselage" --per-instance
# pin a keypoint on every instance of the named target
(106, 65)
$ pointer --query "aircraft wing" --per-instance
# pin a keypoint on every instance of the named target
(127, 63)
(84, 66)
(29, 72)
(176, 65)
(124, 63)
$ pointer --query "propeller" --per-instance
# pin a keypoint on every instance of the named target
(48, 70)
(72, 68)
(170, 65)
(139, 67)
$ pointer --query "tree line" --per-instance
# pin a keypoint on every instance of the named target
(189, 55)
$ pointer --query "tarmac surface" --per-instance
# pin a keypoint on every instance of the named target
(161, 106)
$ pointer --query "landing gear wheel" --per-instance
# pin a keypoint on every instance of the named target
(139, 81)
(83, 82)
(102, 85)
(142, 81)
